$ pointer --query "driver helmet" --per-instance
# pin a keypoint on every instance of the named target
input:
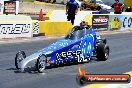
(83, 23)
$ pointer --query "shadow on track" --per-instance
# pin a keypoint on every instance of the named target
(33, 70)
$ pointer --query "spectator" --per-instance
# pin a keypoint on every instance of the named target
(128, 9)
(71, 10)
(117, 7)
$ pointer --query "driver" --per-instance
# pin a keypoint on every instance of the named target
(83, 24)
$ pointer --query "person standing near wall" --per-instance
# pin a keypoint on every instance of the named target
(71, 10)
(117, 7)
(128, 9)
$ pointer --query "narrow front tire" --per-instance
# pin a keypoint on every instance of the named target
(19, 57)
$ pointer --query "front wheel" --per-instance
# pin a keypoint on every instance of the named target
(41, 64)
(19, 57)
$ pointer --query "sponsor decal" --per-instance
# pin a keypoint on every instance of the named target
(100, 21)
(69, 54)
(127, 22)
(9, 7)
(14, 29)
(72, 54)
(120, 22)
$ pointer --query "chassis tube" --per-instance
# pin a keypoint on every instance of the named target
(24, 62)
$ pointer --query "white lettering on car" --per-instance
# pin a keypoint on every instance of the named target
(69, 54)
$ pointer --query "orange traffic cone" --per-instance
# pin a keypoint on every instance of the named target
(40, 18)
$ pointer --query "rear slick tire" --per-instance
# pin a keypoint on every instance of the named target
(102, 52)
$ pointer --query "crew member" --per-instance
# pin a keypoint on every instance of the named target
(117, 7)
(71, 10)
(128, 9)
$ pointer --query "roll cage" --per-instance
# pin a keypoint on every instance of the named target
(77, 32)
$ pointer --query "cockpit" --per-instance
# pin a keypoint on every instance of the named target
(77, 32)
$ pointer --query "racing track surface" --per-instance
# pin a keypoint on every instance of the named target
(120, 61)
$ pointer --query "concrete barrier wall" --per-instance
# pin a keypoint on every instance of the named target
(97, 21)
(120, 22)
(88, 19)
(13, 26)
(61, 15)
(47, 16)
(109, 21)
(27, 28)
(12, 17)
(54, 28)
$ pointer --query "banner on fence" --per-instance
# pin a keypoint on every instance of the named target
(15, 29)
(11, 7)
(120, 22)
(100, 22)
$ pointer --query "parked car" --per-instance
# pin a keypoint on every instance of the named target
(87, 4)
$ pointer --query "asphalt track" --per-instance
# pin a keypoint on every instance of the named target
(120, 61)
